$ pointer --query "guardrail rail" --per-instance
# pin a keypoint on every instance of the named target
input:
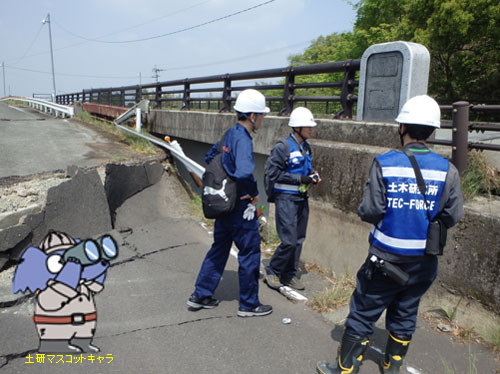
(44, 105)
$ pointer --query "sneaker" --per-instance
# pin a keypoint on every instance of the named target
(295, 283)
(261, 310)
(206, 303)
(273, 281)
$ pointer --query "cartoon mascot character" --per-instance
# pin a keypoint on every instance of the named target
(65, 274)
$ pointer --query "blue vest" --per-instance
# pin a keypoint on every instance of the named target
(403, 230)
(297, 164)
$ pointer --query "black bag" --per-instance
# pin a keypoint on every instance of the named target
(437, 232)
(436, 238)
(268, 183)
(220, 192)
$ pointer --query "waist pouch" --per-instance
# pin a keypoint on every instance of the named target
(436, 238)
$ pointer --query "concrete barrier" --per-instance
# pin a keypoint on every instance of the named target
(342, 153)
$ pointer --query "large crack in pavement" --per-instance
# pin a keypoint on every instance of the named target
(144, 255)
(25, 298)
(14, 356)
(167, 325)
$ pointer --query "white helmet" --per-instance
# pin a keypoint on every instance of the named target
(301, 117)
(420, 110)
(251, 101)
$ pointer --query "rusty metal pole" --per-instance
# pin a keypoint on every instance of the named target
(288, 92)
(226, 95)
(186, 96)
(460, 135)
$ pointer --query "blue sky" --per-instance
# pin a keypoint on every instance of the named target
(255, 39)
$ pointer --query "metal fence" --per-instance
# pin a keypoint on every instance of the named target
(318, 80)
(461, 126)
(331, 86)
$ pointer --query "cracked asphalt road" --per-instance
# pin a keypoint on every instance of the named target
(144, 324)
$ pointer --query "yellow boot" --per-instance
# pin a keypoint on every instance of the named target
(395, 351)
(349, 357)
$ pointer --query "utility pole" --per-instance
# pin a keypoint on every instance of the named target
(156, 72)
(3, 68)
(44, 21)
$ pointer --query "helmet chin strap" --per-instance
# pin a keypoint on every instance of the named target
(402, 135)
(298, 132)
(250, 120)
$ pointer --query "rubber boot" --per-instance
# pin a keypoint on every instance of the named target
(57, 346)
(349, 356)
(84, 344)
(395, 351)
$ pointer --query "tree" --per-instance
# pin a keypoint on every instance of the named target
(462, 36)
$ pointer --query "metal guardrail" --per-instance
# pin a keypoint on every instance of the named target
(46, 106)
(195, 169)
(461, 126)
(186, 95)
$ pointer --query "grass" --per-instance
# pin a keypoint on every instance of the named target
(479, 177)
(338, 294)
(471, 367)
(138, 144)
(449, 314)
(493, 337)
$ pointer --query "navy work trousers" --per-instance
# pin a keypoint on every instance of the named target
(372, 297)
(245, 235)
(291, 224)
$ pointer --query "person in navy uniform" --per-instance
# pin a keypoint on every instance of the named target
(395, 206)
(241, 225)
(290, 169)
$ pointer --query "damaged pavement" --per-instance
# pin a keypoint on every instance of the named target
(144, 324)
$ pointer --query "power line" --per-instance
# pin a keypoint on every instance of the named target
(31, 45)
(71, 75)
(185, 67)
(109, 34)
(178, 31)
(131, 27)
(238, 58)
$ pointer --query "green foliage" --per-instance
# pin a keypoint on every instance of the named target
(494, 337)
(449, 314)
(462, 37)
(137, 143)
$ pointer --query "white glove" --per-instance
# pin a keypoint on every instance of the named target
(249, 212)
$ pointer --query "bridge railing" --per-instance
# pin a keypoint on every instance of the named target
(461, 126)
(281, 95)
(44, 105)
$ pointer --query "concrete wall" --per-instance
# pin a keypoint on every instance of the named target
(342, 153)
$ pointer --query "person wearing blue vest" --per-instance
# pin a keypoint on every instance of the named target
(290, 169)
(241, 225)
(399, 269)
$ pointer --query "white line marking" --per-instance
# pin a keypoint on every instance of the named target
(19, 109)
